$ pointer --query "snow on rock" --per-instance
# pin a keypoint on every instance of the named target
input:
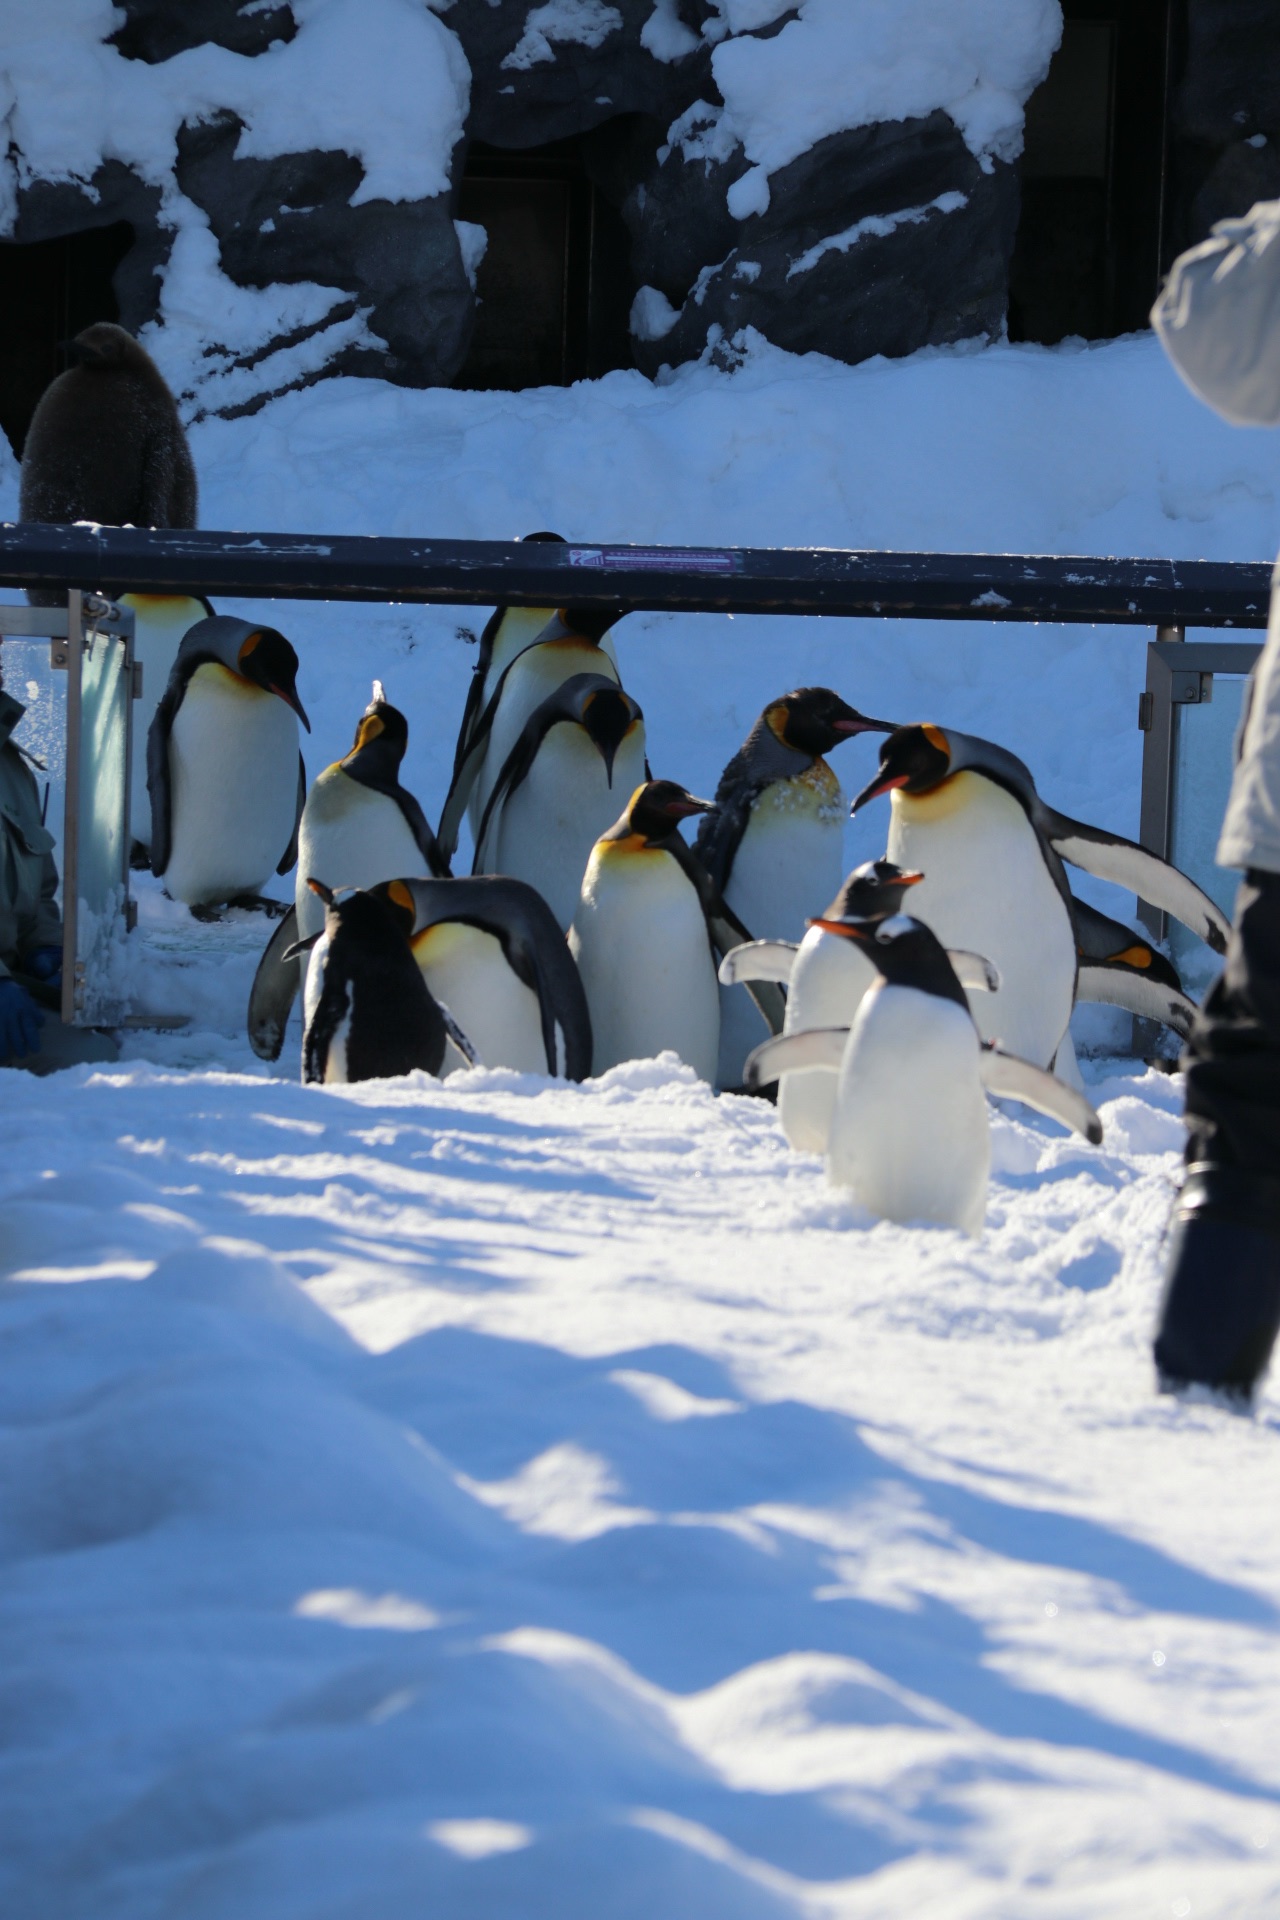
(849, 63)
(543, 1501)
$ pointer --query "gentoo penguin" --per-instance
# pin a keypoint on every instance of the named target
(648, 931)
(226, 779)
(909, 1134)
(826, 977)
(966, 813)
(160, 622)
(572, 641)
(370, 1015)
(106, 443)
(492, 952)
(558, 789)
(775, 845)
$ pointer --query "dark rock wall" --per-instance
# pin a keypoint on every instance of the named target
(1226, 115)
(894, 285)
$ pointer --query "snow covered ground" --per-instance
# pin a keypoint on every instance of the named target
(513, 1499)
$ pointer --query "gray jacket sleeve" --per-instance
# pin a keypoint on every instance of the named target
(1218, 317)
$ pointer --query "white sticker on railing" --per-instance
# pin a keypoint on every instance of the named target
(659, 559)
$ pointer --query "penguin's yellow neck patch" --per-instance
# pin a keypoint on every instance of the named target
(956, 791)
(775, 718)
(626, 847)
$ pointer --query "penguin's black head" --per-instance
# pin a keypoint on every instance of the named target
(397, 897)
(873, 891)
(382, 733)
(815, 719)
(375, 914)
(267, 659)
(591, 622)
(656, 809)
(905, 952)
(916, 759)
(608, 714)
(104, 345)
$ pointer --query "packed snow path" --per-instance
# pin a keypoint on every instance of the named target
(511, 1499)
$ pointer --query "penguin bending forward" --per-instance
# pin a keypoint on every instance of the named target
(491, 951)
(966, 813)
(224, 772)
(648, 931)
(775, 845)
(909, 1133)
(555, 794)
(826, 977)
(370, 1015)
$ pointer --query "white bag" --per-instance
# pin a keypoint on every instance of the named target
(1218, 317)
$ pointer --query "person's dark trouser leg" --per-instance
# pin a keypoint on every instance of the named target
(1221, 1307)
(62, 1047)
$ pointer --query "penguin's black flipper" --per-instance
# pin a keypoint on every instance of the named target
(725, 931)
(275, 988)
(158, 787)
(475, 693)
(1101, 941)
(1111, 857)
(289, 859)
(720, 833)
(420, 828)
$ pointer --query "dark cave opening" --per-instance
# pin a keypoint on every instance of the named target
(49, 291)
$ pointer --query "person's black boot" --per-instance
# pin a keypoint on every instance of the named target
(1221, 1307)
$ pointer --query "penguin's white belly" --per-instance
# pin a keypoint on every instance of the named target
(828, 981)
(533, 678)
(233, 776)
(467, 972)
(788, 867)
(909, 1133)
(350, 837)
(640, 940)
(987, 888)
(545, 830)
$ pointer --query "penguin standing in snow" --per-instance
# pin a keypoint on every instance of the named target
(224, 771)
(649, 929)
(558, 789)
(826, 977)
(359, 824)
(572, 641)
(491, 951)
(370, 1015)
(909, 1134)
(774, 847)
(966, 813)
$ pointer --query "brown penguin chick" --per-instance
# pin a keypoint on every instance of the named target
(106, 442)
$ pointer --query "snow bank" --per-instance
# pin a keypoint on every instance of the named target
(507, 1499)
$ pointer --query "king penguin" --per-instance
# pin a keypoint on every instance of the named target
(558, 789)
(826, 977)
(359, 824)
(909, 1134)
(967, 814)
(649, 930)
(504, 697)
(370, 1015)
(224, 772)
(775, 845)
(491, 951)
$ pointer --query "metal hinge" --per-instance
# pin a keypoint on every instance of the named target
(59, 654)
(1146, 711)
(1190, 689)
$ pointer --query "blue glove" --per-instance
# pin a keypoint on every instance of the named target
(20, 1022)
(44, 963)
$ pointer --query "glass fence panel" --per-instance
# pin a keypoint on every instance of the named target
(102, 827)
(1203, 760)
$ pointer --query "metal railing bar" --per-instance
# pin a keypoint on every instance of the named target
(762, 580)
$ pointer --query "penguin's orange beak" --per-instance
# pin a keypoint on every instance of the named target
(847, 929)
